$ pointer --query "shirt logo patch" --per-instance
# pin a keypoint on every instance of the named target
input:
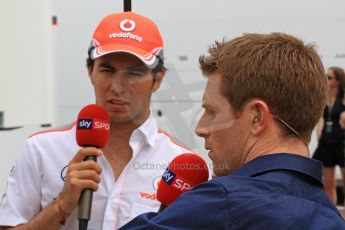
(155, 182)
(145, 195)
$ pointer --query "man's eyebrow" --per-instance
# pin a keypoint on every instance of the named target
(137, 67)
(105, 65)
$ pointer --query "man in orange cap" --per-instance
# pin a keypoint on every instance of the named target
(125, 66)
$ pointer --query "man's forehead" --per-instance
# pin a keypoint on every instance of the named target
(121, 62)
(120, 57)
(213, 85)
(213, 96)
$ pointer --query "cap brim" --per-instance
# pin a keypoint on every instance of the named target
(148, 58)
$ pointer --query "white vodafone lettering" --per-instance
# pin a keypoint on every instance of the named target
(126, 35)
(180, 184)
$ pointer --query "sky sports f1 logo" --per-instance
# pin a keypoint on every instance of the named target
(92, 124)
(176, 181)
(168, 176)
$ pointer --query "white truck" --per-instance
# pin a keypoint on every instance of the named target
(43, 78)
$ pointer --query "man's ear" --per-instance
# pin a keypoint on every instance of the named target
(89, 71)
(259, 114)
(158, 80)
(256, 115)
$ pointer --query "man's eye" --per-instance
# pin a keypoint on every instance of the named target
(106, 70)
(209, 112)
(135, 74)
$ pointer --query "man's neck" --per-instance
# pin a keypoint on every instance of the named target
(122, 131)
(277, 145)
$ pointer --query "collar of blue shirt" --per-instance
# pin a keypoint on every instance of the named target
(282, 161)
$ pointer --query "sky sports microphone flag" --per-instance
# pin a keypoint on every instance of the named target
(92, 131)
(183, 173)
(93, 126)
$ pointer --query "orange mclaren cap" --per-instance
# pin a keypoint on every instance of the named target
(131, 33)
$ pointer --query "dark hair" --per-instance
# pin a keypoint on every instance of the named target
(158, 68)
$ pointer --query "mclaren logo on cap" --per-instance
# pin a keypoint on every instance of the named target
(127, 25)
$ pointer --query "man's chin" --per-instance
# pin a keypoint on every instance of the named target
(222, 169)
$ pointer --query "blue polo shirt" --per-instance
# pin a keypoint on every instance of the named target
(278, 191)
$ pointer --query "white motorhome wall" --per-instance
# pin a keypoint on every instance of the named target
(25, 61)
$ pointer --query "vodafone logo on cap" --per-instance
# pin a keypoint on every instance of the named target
(127, 25)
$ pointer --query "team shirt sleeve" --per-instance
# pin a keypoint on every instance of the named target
(22, 198)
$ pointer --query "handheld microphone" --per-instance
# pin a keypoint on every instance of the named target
(183, 173)
(92, 131)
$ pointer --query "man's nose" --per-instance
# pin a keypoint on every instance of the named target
(119, 77)
(119, 82)
(201, 130)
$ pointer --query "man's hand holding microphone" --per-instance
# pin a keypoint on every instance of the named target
(83, 174)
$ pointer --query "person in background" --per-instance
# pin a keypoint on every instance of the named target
(263, 98)
(125, 65)
(330, 149)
